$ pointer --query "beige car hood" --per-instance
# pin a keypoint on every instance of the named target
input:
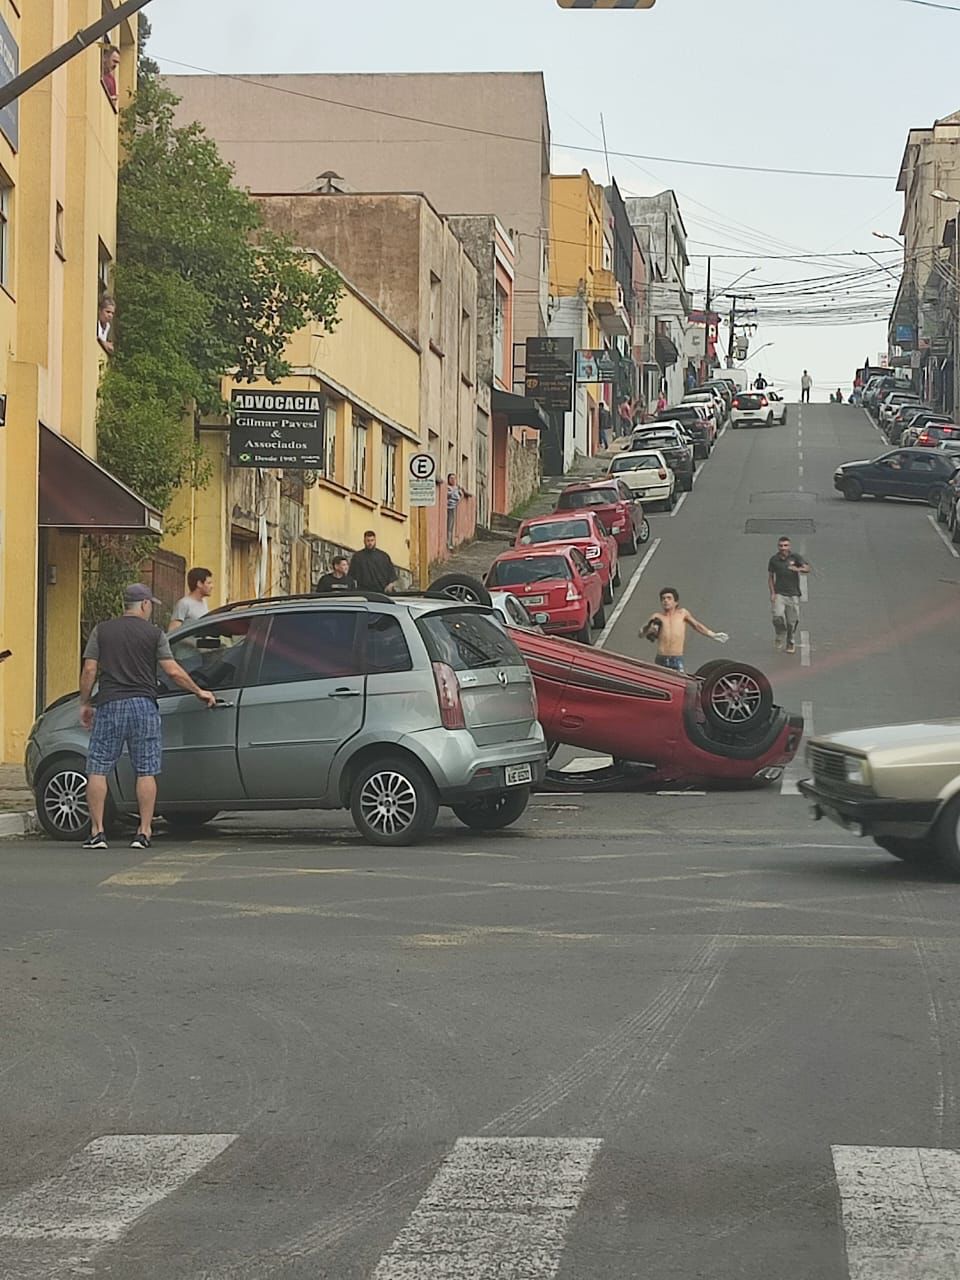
(932, 741)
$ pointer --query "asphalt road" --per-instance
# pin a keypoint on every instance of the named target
(637, 1036)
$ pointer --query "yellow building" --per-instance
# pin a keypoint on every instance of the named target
(274, 532)
(58, 199)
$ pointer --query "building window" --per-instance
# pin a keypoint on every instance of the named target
(330, 440)
(467, 345)
(499, 334)
(436, 316)
(388, 470)
(6, 257)
(359, 454)
(104, 268)
(58, 233)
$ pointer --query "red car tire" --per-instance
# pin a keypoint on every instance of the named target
(736, 697)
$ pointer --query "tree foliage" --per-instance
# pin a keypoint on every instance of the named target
(202, 289)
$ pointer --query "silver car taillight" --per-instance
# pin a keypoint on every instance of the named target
(448, 695)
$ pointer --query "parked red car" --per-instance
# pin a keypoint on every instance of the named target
(719, 725)
(583, 530)
(556, 580)
(616, 506)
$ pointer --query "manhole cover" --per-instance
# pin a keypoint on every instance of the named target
(780, 526)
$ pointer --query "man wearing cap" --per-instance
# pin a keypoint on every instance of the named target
(124, 654)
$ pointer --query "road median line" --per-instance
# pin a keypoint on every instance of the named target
(630, 589)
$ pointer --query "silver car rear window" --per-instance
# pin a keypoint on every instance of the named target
(467, 640)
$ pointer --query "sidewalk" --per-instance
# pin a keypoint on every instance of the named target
(16, 802)
(476, 557)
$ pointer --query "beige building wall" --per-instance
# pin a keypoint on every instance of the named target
(281, 136)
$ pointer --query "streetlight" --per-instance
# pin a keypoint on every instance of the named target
(757, 352)
(944, 198)
(738, 279)
(883, 235)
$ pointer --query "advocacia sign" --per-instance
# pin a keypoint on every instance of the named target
(277, 429)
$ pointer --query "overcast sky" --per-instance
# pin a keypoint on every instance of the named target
(752, 82)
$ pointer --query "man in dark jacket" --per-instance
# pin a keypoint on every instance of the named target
(337, 580)
(371, 568)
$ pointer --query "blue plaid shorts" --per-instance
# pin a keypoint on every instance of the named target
(133, 723)
(673, 664)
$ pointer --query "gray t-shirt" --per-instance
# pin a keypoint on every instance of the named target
(127, 650)
(188, 610)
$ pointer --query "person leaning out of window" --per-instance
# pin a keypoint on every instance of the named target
(105, 316)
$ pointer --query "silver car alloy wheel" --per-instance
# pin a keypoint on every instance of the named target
(65, 801)
(736, 697)
(461, 593)
(388, 803)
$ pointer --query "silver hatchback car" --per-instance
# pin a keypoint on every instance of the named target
(388, 706)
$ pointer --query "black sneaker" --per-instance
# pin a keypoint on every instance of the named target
(99, 841)
(140, 841)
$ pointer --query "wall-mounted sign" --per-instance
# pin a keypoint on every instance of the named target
(277, 429)
(549, 372)
(904, 333)
(422, 480)
(596, 366)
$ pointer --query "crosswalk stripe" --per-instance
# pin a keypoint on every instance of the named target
(901, 1212)
(106, 1186)
(497, 1207)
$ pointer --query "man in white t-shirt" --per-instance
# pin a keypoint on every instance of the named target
(194, 604)
(806, 385)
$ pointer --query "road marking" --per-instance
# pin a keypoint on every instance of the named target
(943, 537)
(676, 509)
(498, 1206)
(901, 1211)
(161, 872)
(804, 648)
(106, 1187)
(800, 469)
(631, 588)
(797, 768)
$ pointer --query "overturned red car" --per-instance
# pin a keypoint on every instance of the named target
(719, 725)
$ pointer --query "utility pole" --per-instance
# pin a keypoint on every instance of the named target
(82, 40)
(733, 321)
(705, 374)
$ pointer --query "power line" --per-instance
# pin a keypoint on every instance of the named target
(508, 137)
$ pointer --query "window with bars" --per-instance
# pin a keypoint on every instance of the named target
(330, 440)
(6, 248)
(359, 478)
(389, 454)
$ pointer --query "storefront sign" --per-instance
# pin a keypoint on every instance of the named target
(904, 333)
(596, 366)
(549, 372)
(9, 70)
(277, 429)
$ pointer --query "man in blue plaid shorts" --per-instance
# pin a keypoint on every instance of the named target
(124, 654)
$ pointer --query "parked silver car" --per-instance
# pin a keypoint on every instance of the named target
(388, 706)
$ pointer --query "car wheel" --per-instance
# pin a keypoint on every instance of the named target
(933, 496)
(770, 420)
(918, 852)
(600, 619)
(783, 420)
(493, 813)
(941, 514)
(702, 672)
(61, 796)
(672, 500)
(736, 697)
(393, 802)
(852, 490)
(955, 536)
(617, 578)
(185, 821)
(688, 484)
(608, 593)
(643, 537)
(584, 636)
(460, 586)
(630, 548)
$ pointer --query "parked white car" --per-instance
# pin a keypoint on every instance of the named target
(778, 404)
(753, 409)
(647, 476)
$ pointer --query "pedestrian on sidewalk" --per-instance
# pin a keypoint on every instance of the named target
(371, 568)
(625, 414)
(605, 425)
(194, 604)
(455, 496)
(338, 579)
(783, 579)
(661, 402)
(668, 630)
(123, 654)
(806, 384)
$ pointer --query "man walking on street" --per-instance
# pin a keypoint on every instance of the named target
(371, 568)
(193, 605)
(338, 580)
(124, 654)
(454, 498)
(669, 629)
(806, 384)
(783, 579)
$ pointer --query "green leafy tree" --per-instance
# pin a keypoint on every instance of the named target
(202, 289)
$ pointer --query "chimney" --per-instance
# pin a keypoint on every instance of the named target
(331, 183)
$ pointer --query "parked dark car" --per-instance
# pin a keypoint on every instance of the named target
(668, 440)
(902, 431)
(701, 429)
(903, 473)
(948, 497)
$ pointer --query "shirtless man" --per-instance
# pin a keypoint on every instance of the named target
(669, 629)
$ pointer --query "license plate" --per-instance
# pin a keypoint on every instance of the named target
(534, 599)
(517, 774)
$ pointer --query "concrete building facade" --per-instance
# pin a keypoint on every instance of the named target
(59, 154)
(662, 234)
(407, 260)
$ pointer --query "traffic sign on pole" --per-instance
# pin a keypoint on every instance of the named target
(422, 470)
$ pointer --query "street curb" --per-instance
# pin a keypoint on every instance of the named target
(18, 824)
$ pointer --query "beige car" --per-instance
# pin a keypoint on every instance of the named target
(898, 783)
